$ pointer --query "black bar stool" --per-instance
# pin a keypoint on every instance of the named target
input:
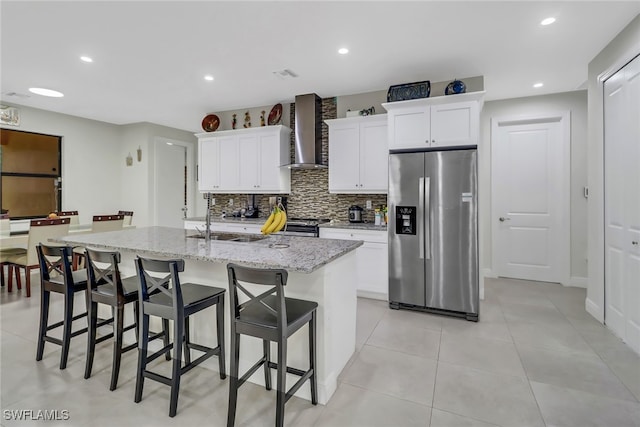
(271, 317)
(167, 298)
(106, 286)
(56, 276)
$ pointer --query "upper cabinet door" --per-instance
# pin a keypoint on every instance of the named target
(269, 172)
(229, 163)
(208, 170)
(454, 124)
(409, 127)
(249, 162)
(344, 173)
(374, 157)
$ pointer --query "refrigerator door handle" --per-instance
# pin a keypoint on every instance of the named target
(420, 219)
(427, 217)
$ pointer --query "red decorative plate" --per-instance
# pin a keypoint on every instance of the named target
(275, 115)
(210, 123)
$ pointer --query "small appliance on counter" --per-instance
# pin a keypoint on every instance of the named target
(355, 213)
(252, 210)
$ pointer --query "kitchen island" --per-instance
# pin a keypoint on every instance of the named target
(321, 270)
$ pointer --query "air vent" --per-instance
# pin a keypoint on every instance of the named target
(285, 74)
(16, 95)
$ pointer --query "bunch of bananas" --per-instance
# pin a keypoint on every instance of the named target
(276, 221)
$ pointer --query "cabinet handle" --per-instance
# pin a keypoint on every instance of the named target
(433, 141)
(634, 242)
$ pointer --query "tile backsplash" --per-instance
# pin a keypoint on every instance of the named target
(309, 197)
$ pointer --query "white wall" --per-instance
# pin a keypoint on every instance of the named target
(95, 177)
(576, 103)
(90, 156)
(624, 47)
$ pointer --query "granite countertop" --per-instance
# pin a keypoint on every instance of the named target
(303, 255)
(354, 225)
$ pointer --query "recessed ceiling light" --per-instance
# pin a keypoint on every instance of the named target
(46, 92)
(86, 59)
(548, 21)
(343, 51)
(208, 78)
(537, 85)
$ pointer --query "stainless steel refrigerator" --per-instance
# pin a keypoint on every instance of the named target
(433, 232)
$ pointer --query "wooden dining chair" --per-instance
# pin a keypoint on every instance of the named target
(40, 231)
(100, 224)
(128, 217)
(7, 250)
(72, 215)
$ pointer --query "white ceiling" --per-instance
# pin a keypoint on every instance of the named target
(150, 56)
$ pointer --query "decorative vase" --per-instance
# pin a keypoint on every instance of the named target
(455, 87)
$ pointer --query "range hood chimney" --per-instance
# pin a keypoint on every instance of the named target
(308, 132)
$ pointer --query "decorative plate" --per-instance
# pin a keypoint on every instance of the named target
(210, 123)
(407, 91)
(275, 115)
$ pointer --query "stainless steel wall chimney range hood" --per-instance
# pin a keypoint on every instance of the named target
(308, 132)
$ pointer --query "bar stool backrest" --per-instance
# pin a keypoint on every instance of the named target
(102, 268)
(107, 223)
(55, 259)
(40, 231)
(160, 275)
(264, 305)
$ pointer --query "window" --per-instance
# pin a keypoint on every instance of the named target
(30, 165)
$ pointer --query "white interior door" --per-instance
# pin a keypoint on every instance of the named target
(170, 184)
(530, 197)
(622, 203)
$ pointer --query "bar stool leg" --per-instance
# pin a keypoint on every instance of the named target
(178, 336)
(165, 337)
(266, 346)
(233, 380)
(118, 326)
(312, 359)
(220, 336)
(44, 320)
(281, 383)
(66, 329)
(92, 314)
(187, 351)
(143, 342)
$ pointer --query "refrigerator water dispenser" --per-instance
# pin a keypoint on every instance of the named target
(406, 220)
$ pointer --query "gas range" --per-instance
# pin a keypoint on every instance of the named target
(308, 227)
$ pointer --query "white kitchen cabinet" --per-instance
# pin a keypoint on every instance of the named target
(245, 161)
(218, 165)
(372, 259)
(358, 154)
(442, 121)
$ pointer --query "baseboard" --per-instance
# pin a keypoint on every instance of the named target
(578, 282)
(487, 272)
(594, 310)
(373, 295)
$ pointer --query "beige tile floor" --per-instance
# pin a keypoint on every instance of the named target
(535, 358)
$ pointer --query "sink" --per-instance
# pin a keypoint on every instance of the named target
(230, 237)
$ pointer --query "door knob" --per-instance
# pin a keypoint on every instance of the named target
(503, 219)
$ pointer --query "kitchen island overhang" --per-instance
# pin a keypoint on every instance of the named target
(320, 270)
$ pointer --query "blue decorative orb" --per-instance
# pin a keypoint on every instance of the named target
(455, 87)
